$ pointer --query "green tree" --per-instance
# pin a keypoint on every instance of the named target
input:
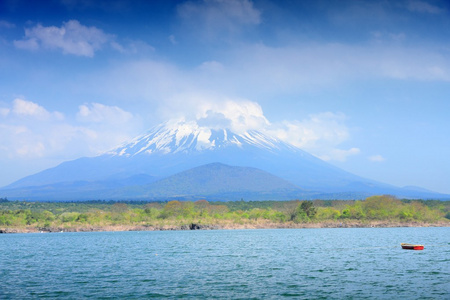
(176, 208)
(308, 208)
(304, 212)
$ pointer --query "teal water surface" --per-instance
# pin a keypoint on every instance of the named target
(341, 263)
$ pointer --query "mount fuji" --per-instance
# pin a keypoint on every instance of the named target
(185, 160)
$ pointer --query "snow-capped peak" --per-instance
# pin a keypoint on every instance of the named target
(182, 136)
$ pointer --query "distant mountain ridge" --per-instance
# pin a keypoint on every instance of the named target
(172, 159)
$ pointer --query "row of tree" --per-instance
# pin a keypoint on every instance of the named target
(382, 208)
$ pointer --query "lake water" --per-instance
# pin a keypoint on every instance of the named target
(340, 263)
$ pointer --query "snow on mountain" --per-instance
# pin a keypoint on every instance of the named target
(188, 137)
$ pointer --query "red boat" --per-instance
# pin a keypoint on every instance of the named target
(412, 246)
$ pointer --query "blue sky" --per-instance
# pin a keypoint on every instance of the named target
(364, 85)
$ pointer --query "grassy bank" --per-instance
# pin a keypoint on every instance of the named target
(378, 211)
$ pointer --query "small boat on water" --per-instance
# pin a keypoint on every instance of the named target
(412, 246)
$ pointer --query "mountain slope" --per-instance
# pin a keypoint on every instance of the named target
(216, 179)
(143, 168)
(174, 147)
(213, 182)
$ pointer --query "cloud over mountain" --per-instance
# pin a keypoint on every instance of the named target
(97, 127)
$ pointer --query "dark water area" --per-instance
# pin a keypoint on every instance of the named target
(343, 263)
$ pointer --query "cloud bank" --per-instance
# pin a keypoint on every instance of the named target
(30, 130)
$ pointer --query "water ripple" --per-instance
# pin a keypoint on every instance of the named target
(240, 264)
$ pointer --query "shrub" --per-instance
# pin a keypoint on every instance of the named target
(69, 217)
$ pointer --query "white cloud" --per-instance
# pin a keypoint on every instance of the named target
(424, 7)
(30, 109)
(97, 113)
(320, 134)
(71, 38)
(31, 150)
(140, 79)
(172, 39)
(377, 158)
(380, 38)
(118, 47)
(262, 72)
(213, 16)
(211, 66)
(215, 111)
(212, 11)
(339, 154)
(132, 47)
(171, 93)
(241, 115)
(20, 141)
(29, 131)
(303, 66)
(6, 24)
(14, 129)
(311, 133)
(28, 44)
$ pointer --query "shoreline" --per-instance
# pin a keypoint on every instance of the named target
(223, 226)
